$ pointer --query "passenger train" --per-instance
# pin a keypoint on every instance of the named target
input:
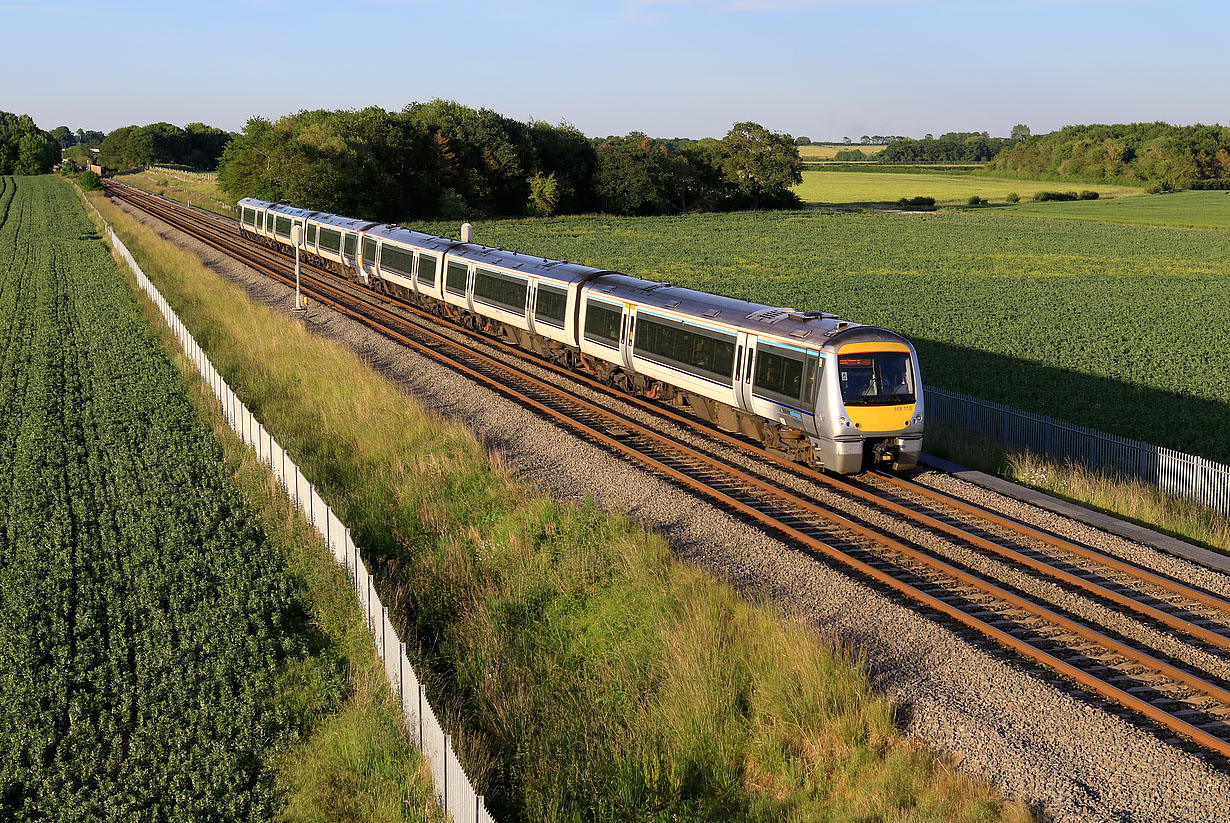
(808, 385)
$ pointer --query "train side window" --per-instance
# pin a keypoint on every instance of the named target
(455, 279)
(369, 251)
(282, 225)
(602, 323)
(427, 270)
(249, 216)
(330, 240)
(311, 234)
(350, 244)
(501, 290)
(551, 305)
(397, 260)
(707, 353)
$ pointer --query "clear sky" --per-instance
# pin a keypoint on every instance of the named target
(672, 68)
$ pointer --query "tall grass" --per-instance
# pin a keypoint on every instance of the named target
(1104, 491)
(586, 673)
(352, 760)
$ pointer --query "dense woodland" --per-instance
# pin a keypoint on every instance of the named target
(1189, 157)
(196, 145)
(442, 159)
(24, 147)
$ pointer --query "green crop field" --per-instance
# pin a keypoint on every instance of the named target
(1121, 327)
(144, 618)
(1195, 209)
(837, 187)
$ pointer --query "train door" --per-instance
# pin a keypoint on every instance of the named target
(367, 258)
(627, 335)
(745, 365)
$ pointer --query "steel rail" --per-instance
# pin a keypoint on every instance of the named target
(992, 632)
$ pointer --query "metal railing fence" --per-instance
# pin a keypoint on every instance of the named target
(1183, 475)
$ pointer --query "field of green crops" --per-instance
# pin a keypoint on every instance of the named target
(144, 618)
(837, 187)
(1194, 209)
(1121, 327)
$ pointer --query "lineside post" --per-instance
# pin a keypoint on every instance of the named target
(294, 239)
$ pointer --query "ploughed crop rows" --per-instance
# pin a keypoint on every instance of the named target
(1121, 327)
(143, 616)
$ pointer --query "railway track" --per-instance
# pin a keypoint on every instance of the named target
(978, 570)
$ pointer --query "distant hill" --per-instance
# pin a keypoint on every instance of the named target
(1189, 157)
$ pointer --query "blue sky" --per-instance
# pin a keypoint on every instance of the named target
(671, 68)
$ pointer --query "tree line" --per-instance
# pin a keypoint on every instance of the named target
(196, 145)
(1193, 157)
(947, 148)
(442, 159)
(24, 147)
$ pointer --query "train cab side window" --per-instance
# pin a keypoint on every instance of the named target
(350, 245)
(602, 322)
(455, 279)
(785, 375)
(369, 251)
(551, 305)
(427, 270)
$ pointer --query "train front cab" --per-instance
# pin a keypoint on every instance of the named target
(873, 393)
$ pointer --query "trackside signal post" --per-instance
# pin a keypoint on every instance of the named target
(294, 239)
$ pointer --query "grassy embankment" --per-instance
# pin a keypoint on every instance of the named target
(198, 188)
(588, 673)
(348, 757)
(859, 187)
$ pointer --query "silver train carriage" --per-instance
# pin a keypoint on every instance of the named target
(808, 385)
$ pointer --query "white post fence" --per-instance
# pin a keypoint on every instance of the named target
(452, 787)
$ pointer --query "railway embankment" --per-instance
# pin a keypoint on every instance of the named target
(588, 671)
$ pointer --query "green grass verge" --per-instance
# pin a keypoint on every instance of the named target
(588, 673)
(837, 187)
(1107, 492)
(198, 189)
(349, 758)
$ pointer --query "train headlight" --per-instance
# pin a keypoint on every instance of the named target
(918, 418)
(843, 421)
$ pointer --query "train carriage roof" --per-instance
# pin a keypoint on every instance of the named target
(561, 271)
(337, 222)
(280, 208)
(812, 329)
(409, 237)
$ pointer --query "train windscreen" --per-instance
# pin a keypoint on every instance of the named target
(876, 378)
